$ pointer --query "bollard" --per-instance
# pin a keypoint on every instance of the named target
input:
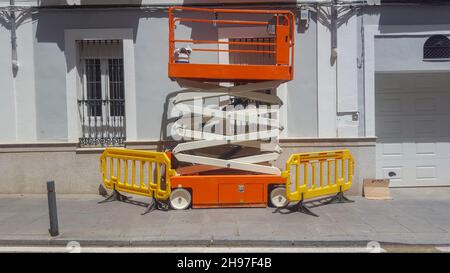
(51, 195)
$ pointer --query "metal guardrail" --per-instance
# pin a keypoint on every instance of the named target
(138, 172)
(267, 53)
(282, 22)
(310, 175)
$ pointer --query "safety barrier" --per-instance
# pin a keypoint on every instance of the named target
(144, 173)
(310, 175)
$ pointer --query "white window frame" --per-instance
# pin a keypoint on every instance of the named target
(73, 80)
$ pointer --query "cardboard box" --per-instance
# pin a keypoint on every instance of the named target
(377, 189)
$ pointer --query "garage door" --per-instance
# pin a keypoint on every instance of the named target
(413, 128)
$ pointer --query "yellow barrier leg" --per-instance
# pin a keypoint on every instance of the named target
(151, 206)
(115, 196)
(299, 207)
(339, 198)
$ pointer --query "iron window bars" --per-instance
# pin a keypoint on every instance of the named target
(102, 99)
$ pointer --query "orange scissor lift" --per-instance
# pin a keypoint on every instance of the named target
(227, 121)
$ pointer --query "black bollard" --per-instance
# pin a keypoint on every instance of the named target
(51, 195)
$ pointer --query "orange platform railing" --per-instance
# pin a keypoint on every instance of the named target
(265, 55)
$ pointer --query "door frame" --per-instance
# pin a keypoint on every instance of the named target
(370, 33)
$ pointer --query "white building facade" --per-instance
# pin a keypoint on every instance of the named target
(375, 80)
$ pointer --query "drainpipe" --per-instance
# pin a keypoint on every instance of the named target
(12, 15)
(334, 16)
(334, 54)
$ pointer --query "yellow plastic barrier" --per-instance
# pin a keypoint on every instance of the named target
(310, 175)
(144, 173)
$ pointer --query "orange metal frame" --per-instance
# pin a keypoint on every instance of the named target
(227, 190)
(282, 69)
(212, 191)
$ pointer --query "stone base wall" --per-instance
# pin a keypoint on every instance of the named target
(25, 168)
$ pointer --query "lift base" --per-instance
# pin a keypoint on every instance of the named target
(219, 191)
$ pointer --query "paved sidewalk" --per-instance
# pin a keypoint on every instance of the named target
(413, 216)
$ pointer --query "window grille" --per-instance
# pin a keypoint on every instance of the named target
(437, 47)
(102, 96)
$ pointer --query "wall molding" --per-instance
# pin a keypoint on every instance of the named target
(328, 142)
(157, 144)
(38, 147)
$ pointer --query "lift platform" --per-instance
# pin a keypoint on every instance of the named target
(251, 45)
(229, 64)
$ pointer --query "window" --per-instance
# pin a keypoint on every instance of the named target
(93, 87)
(102, 96)
(437, 47)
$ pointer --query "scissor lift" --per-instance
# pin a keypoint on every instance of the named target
(226, 153)
(231, 168)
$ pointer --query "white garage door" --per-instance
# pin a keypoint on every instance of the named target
(413, 128)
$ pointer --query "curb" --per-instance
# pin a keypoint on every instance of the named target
(181, 243)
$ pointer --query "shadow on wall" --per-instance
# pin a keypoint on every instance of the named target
(207, 31)
(186, 30)
(420, 15)
(51, 24)
(20, 14)
(421, 127)
(197, 32)
(235, 2)
(139, 2)
(11, 20)
(88, 2)
(166, 122)
(343, 15)
(286, 4)
(325, 18)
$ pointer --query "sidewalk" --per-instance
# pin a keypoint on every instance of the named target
(413, 216)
